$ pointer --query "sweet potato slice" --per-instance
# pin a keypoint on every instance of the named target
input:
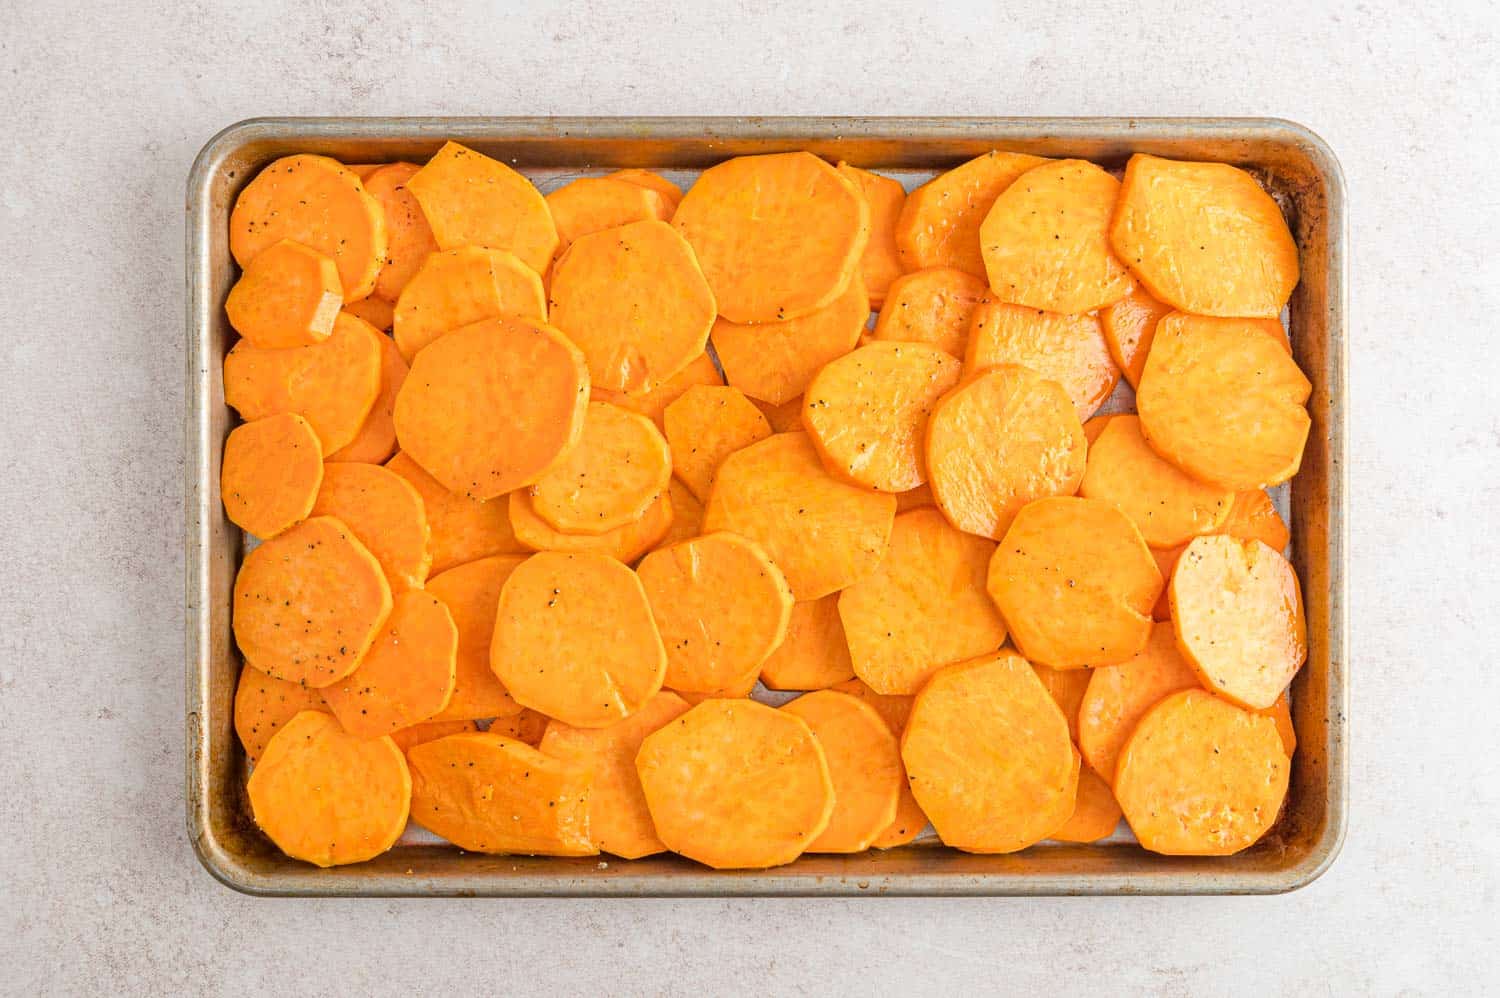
(264, 704)
(472, 200)
(1092, 427)
(704, 427)
(619, 822)
(592, 204)
(774, 361)
(670, 193)
(894, 710)
(998, 441)
(378, 312)
(721, 607)
(1237, 611)
(429, 731)
(387, 515)
(778, 236)
(1097, 813)
(1167, 507)
(1253, 517)
(315, 201)
(1129, 327)
(332, 384)
(1118, 696)
(1075, 583)
(864, 763)
(822, 533)
(492, 794)
(460, 287)
(460, 529)
(528, 726)
(1281, 713)
(653, 403)
(934, 306)
(634, 301)
(308, 603)
(271, 472)
(624, 544)
(409, 238)
(471, 592)
(735, 784)
(407, 675)
(1222, 400)
(1204, 238)
(866, 412)
(1067, 349)
(491, 407)
(939, 225)
(575, 639)
(881, 262)
(687, 516)
(376, 440)
(988, 756)
(1045, 240)
(814, 654)
(923, 607)
(1067, 687)
(287, 297)
(784, 418)
(619, 467)
(1201, 777)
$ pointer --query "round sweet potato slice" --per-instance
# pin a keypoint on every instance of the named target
(287, 297)
(1204, 238)
(988, 756)
(734, 784)
(670, 193)
(1129, 327)
(460, 529)
(593, 204)
(934, 306)
(460, 287)
(626, 543)
(1118, 696)
(939, 225)
(924, 607)
(1067, 349)
(1237, 611)
(575, 639)
(881, 262)
(1045, 240)
(814, 655)
(386, 514)
(998, 441)
(271, 472)
(471, 592)
(264, 704)
(864, 763)
(687, 516)
(910, 821)
(308, 603)
(619, 467)
(429, 731)
(823, 534)
(866, 412)
(1067, 687)
(1166, 506)
(773, 361)
(1097, 813)
(409, 238)
(653, 403)
(778, 236)
(328, 797)
(705, 426)
(721, 608)
(1075, 583)
(1201, 777)
(407, 675)
(376, 440)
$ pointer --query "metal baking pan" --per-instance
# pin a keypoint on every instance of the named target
(1297, 167)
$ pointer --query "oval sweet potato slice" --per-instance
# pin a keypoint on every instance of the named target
(866, 412)
(376, 440)
(705, 426)
(1129, 327)
(386, 514)
(270, 475)
(998, 441)
(1237, 611)
(528, 726)
(409, 238)
(1067, 349)
(687, 516)
(460, 287)
(939, 225)
(880, 263)
(1067, 687)
(814, 655)
(407, 675)
(653, 403)
(1075, 583)
(1118, 696)
(593, 204)
(910, 821)
(924, 607)
(619, 821)
(1201, 777)
(823, 534)
(308, 603)
(619, 467)
(988, 756)
(778, 236)
(626, 543)
(318, 202)
(734, 784)
(1097, 813)
(1204, 238)
(429, 731)
(1166, 506)
(328, 797)
(264, 704)
(471, 592)
(721, 607)
(864, 764)
(670, 193)
(460, 529)
(933, 306)
(288, 296)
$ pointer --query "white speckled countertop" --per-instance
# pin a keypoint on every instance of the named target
(104, 107)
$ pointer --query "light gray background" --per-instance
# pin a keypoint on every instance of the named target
(103, 111)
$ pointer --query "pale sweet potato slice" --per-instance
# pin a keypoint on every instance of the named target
(619, 821)
(1222, 400)
(617, 469)
(528, 726)
(866, 412)
(670, 193)
(1075, 583)
(814, 654)
(933, 306)
(1067, 349)
(1167, 507)
(1129, 327)
(881, 262)
(784, 418)
(626, 543)
(998, 441)
(706, 425)
(460, 287)
(1045, 240)
(721, 608)
(407, 675)
(773, 361)
(1237, 611)
(386, 513)
(1092, 427)
(822, 533)
(634, 301)
(491, 407)
(376, 440)
(687, 516)
(429, 731)
(315, 201)
(1097, 813)
(894, 710)
(575, 639)
(592, 204)
(409, 238)
(864, 763)
(988, 756)
(1118, 696)
(653, 403)
(924, 607)
(271, 473)
(308, 603)
(1201, 777)
(1067, 687)
(472, 200)
(492, 794)
(734, 784)
(264, 704)
(778, 236)
(460, 529)
(471, 592)
(939, 225)
(378, 312)
(1204, 238)
(287, 297)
